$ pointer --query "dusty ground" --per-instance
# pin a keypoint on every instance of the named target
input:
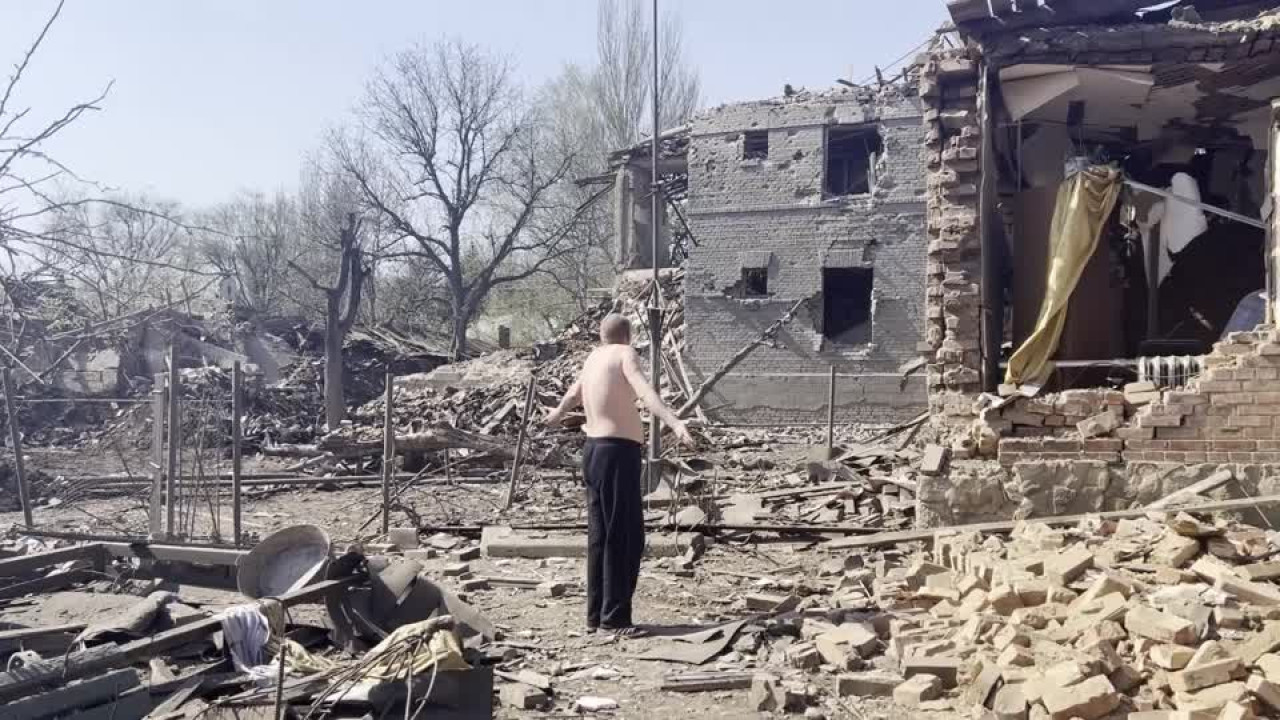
(545, 634)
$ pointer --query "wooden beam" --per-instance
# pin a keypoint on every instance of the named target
(45, 584)
(1214, 481)
(71, 697)
(24, 564)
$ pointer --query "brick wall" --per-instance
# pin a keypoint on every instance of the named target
(743, 211)
(953, 140)
(1226, 416)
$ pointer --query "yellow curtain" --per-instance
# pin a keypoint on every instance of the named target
(1085, 201)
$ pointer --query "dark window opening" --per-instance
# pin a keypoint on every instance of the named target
(846, 305)
(755, 282)
(851, 157)
(755, 145)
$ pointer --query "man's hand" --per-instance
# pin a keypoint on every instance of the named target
(682, 434)
(554, 418)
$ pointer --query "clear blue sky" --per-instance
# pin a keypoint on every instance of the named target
(216, 96)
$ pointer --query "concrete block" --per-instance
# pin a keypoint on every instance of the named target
(1235, 711)
(1004, 599)
(1265, 690)
(1203, 676)
(934, 460)
(1252, 592)
(523, 697)
(456, 570)
(1269, 665)
(946, 669)
(1159, 626)
(1088, 700)
(1208, 652)
(1174, 550)
(1212, 699)
(467, 554)
(803, 656)
(1260, 643)
(551, 589)
(1068, 565)
(867, 684)
(403, 538)
(1170, 657)
(917, 689)
(1010, 703)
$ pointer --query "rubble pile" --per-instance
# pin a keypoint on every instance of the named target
(487, 394)
(1140, 616)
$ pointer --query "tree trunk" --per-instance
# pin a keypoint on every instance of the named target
(459, 336)
(335, 403)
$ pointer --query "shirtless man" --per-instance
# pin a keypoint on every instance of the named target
(608, 387)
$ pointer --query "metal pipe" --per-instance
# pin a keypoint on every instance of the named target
(175, 440)
(655, 310)
(1253, 222)
(388, 452)
(237, 410)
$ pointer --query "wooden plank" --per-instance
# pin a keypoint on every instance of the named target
(175, 553)
(706, 681)
(45, 584)
(30, 678)
(904, 536)
(19, 566)
(1214, 481)
(186, 688)
(71, 697)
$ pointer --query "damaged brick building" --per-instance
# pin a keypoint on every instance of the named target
(1166, 371)
(812, 203)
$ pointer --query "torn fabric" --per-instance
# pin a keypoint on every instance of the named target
(1085, 201)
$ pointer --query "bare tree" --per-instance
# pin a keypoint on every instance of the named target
(603, 108)
(623, 80)
(251, 240)
(333, 260)
(450, 161)
(121, 257)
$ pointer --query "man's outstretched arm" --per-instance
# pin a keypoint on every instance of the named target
(650, 398)
(571, 400)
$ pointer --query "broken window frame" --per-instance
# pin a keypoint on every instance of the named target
(755, 145)
(755, 282)
(872, 145)
(865, 275)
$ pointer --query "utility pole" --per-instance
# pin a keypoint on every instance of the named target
(655, 309)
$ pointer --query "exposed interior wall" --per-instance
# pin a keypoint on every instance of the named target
(762, 211)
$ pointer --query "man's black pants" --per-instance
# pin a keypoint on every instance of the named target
(615, 528)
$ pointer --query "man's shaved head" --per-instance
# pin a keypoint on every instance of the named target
(615, 330)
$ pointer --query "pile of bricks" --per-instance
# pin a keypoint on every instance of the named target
(1154, 618)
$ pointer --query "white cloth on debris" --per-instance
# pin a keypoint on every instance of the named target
(246, 632)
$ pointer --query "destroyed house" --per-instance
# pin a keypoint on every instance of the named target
(805, 226)
(1099, 217)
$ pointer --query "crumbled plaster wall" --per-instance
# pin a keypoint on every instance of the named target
(773, 212)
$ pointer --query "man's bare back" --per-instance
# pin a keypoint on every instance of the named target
(608, 387)
(607, 396)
